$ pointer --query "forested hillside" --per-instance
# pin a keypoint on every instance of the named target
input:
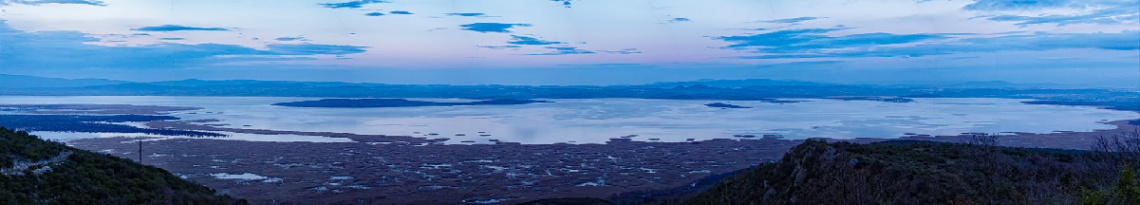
(817, 172)
(35, 171)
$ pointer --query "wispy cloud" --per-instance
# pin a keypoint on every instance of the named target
(570, 50)
(564, 2)
(374, 14)
(168, 27)
(809, 43)
(679, 20)
(623, 51)
(526, 40)
(311, 49)
(289, 38)
(501, 47)
(41, 2)
(492, 27)
(1115, 15)
(1095, 11)
(564, 50)
(775, 39)
(400, 12)
(791, 20)
(352, 4)
(469, 14)
(42, 50)
(518, 41)
(1017, 5)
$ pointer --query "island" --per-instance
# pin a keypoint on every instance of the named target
(368, 103)
(875, 98)
(725, 105)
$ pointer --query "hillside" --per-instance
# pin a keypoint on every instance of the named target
(817, 172)
(35, 171)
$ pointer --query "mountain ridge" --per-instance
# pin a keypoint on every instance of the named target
(25, 81)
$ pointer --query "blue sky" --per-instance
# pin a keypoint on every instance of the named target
(572, 42)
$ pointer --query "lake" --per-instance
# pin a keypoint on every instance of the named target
(598, 120)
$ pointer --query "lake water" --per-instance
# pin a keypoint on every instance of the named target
(598, 120)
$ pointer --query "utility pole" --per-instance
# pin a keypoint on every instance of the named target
(140, 150)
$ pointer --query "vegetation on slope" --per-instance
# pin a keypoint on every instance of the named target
(44, 172)
(817, 172)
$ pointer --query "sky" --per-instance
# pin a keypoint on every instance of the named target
(1093, 43)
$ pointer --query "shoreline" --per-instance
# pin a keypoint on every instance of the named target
(1056, 139)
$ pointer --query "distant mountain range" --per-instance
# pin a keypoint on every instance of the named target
(23, 81)
(991, 84)
(753, 89)
(739, 83)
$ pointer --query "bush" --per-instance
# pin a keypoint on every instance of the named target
(817, 172)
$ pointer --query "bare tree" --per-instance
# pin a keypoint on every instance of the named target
(1119, 149)
(982, 139)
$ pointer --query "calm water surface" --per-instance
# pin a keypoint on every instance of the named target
(597, 120)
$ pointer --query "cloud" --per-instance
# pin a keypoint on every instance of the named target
(468, 14)
(518, 41)
(526, 40)
(1017, 4)
(168, 27)
(791, 20)
(864, 45)
(1021, 5)
(352, 4)
(780, 38)
(171, 39)
(564, 2)
(606, 65)
(400, 12)
(491, 27)
(1095, 11)
(311, 49)
(557, 50)
(568, 50)
(1126, 40)
(289, 38)
(374, 14)
(1112, 15)
(502, 47)
(623, 51)
(41, 2)
(679, 20)
(70, 50)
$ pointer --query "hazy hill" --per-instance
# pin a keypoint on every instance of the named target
(34, 171)
(739, 83)
(23, 81)
(753, 89)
